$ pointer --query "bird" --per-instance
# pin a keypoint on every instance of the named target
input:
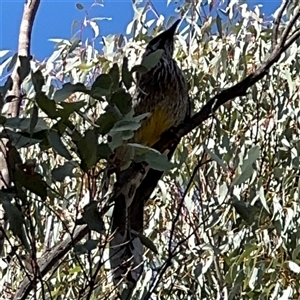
(162, 92)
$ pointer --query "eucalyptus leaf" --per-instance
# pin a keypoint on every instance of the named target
(91, 244)
(115, 77)
(247, 212)
(47, 106)
(16, 222)
(122, 100)
(155, 159)
(147, 243)
(25, 124)
(38, 81)
(151, 60)
(107, 120)
(57, 144)
(126, 74)
(67, 169)
(33, 182)
(101, 86)
(24, 68)
(88, 150)
(92, 217)
(67, 90)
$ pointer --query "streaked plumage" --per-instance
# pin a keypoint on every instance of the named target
(162, 91)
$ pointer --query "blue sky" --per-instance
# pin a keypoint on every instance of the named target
(55, 17)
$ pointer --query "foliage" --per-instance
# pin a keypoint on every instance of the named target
(223, 222)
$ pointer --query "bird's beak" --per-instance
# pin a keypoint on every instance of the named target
(173, 28)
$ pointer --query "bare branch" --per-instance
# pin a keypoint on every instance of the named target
(292, 39)
(277, 22)
(30, 10)
(288, 29)
(50, 258)
(168, 140)
(237, 90)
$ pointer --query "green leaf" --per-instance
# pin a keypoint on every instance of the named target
(295, 254)
(151, 60)
(247, 212)
(34, 119)
(67, 90)
(244, 176)
(125, 128)
(92, 217)
(122, 100)
(88, 150)
(75, 43)
(3, 53)
(247, 167)
(38, 81)
(147, 242)
(79, 249)
(117, 139)
(101, 86)
(47, 106)
(103, 151)
(24, 124)
(24, 68)
(216, 158)
(3, 120)
(55, 141)
(115, 76)
(139, 118)
(4, 89)
(91, 244)
(107, 120)
(12, 63)
(198, 270)
(67, 169)
(124, 125)
(69, 108)
(33, 182)
(219, 25)
(263, 199)
(20, 140)
(126, 75)
(79, 6)
(139, 69)
(155, 159)
(253, 155)
(16, 222)
(14, 216)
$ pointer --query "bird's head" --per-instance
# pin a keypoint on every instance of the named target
(164, 41)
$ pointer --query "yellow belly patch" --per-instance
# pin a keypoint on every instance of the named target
(152, 128)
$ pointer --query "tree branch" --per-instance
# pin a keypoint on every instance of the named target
(30, 10)
(168, 139)
(220, 99)
(277, 22)
(49, 259)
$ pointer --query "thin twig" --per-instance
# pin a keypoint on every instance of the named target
(166, 142)
(288, 29)
(277, 22)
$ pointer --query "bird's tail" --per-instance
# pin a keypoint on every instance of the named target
(126, 249)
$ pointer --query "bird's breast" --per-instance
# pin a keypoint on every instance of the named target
(162, 92)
